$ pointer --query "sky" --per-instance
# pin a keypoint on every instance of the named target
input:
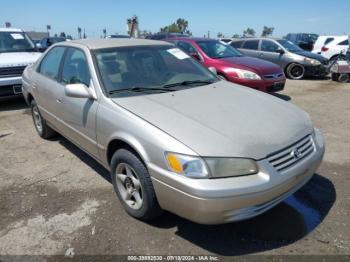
(226, 16)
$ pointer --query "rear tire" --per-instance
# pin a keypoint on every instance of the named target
(295, 71)
(40, 123)
(133, 186)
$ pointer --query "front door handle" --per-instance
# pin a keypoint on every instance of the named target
(261, 54)
(58, 100)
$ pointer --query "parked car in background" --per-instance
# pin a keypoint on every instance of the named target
(164, 36)
(335, 48)
(305, 41)
(49, 41)
(16, 52)
(295, 62)
(173, 135)
(232, 65)
(117, 36)
(321, 42)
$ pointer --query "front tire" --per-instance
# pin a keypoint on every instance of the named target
(295, 71)
(133, 186)
(343, 78)
(40, 123)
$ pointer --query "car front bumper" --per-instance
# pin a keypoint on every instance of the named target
(320, 70)
(263, 85)
(224, 200)
(10, 86)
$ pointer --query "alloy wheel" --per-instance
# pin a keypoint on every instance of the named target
(129, 186)
(37, 119)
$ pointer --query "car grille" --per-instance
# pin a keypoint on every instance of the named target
(292, 154)
(273, 76)
(11, 71)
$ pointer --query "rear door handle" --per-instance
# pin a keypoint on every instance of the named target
(58, 100)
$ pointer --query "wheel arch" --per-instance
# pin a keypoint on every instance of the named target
(130, 144)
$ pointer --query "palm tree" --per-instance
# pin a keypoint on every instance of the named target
(104, 32)
(48, 28)
(79, 32)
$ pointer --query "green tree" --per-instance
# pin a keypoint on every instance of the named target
(104, 31)
(267, 31)
(235, 36)
(180, 26)
(249, 32)
(63, 34)
(220, 35)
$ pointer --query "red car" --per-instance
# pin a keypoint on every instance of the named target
(232, 65)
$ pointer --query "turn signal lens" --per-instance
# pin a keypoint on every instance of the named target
(174, 163)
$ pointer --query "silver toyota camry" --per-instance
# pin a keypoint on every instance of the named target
(173, 135)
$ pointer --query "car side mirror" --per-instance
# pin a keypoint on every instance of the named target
(280, 51)
(213, 70)
(78, 90)
(195, 56)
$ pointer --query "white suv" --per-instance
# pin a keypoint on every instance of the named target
(334, 48)
(16, 52)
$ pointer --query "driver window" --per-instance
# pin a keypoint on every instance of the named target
(75, 68)
(268, 46)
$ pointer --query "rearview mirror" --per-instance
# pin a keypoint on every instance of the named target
(78, 90)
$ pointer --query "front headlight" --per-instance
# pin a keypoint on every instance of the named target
(229, 167)
(312, 61)
(243, 74)
(189, 166)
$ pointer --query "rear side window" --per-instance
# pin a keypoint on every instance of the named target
(237, 44)
(345, 42)
(75, 68)
(328, 40)
(50, 64)
(251, 44)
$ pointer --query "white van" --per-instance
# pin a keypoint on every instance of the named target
(16, 52)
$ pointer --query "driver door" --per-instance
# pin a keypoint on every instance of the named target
(78, 115)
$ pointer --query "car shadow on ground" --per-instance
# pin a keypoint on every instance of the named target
(283, 97)
(284, 224)
(12, 103)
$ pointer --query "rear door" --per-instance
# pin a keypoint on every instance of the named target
(251, 48)
(46, 84)
(78, 115)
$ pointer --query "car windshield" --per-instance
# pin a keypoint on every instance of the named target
(217, 49)
(141, 70)
(15, 42)
(290, 46)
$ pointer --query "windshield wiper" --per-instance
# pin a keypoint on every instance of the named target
(140, 89)
(188, 83)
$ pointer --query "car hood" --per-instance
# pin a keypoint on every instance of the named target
(18, 58)
(318, 57)
(223, 119)
(257, 65)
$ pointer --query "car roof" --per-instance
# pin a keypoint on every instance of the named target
(194, 39)
(256, 38)
(113, 42)
(10, 29)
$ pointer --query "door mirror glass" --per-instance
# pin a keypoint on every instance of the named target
(78, 91)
